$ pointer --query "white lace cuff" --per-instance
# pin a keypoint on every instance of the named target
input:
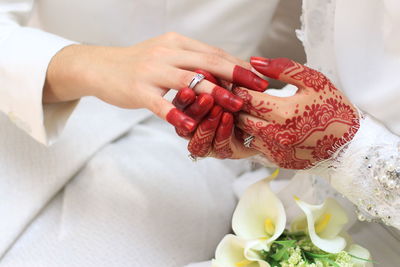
(367, 172)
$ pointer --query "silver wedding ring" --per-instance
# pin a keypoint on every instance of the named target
(196, 79)
(247, 141)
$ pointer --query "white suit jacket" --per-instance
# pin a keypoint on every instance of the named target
(238, 26)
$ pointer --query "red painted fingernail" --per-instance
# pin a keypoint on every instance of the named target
(187, 94)
(227, 118)
(181, 120)
(208, 76)
(271, 67)
(189, 124)
(215, 112)
(200, 107)
(205, 100)
(226, 99)
(259, 61)
(248, 79)
(183, 98)
(236, 103)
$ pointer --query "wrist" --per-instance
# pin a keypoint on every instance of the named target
(67, 75)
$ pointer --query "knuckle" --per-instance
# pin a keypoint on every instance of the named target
(172, 36)
(184, 79)
(218, 51)
(212, 60)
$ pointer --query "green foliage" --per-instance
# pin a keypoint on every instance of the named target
(296, 249)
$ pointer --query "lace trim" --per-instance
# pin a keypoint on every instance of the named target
(367, 171)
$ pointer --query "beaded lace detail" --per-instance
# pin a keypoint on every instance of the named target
(367, 172)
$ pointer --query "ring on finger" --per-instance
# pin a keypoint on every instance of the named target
(196, 79)
(247, 141)
(196, 158)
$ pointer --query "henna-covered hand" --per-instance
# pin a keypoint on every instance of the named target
(214, 135)
(198, 107)
(298, 131)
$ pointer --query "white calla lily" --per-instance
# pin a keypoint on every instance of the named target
(362, 253)
(323, 223)
(259, 215)
(231, 253)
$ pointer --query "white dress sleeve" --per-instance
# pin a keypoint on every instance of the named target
(25, 54)
(367, 172)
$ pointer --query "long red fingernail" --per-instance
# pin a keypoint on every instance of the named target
(248, 79)
(208, 76)
(181, 120)
(226, 99)
(225, 129)
(183, 98)
(271, 67)
(200, 107)
(215, 112)
(227, 118)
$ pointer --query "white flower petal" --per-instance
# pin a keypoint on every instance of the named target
(360, 252)
(230, 253)
(257, 205)
(328, 238)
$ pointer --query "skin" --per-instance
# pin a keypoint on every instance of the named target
(139, 76)
(197, 112)
(214, 136)
(298, 131)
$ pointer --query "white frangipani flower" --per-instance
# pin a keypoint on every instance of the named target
(259, 215)
(231, 253)
(323, 223)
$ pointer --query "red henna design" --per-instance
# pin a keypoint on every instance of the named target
(248, 79)
(201, 143)
(181, 120)
(226, 99)
(258, 109)
(311, 78)
(222, 141)
(323, 148)
(293, 133)
(290, 143)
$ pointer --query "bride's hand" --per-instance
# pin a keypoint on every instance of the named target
(214, 136)
(138, 76)
(297, 131)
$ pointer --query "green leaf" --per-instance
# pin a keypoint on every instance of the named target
(304, 257)
(286, 243)
(279, 254)
(358, 258)
(319, 256)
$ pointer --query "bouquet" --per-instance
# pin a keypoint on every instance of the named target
(315, 239)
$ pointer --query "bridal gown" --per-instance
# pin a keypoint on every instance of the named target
(115, 187)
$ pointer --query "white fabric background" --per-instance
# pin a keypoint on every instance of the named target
(117, 211)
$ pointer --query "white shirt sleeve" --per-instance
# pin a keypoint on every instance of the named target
(25, 54)
(367, 172)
